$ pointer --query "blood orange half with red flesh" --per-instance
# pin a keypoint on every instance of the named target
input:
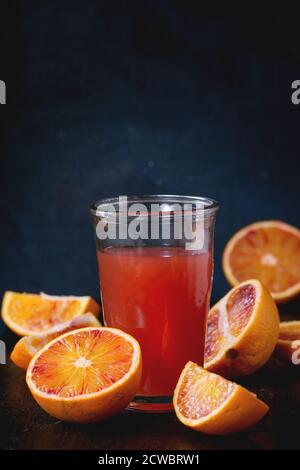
(242, 330)
(86, 375)
(268, 251)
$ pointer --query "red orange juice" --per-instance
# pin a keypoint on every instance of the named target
(159, 295)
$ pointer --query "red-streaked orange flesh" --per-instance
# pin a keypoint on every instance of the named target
(242, 331)
(208, 403)
(30, 314)
(40, 314)
(85, 363)
(214, 337)
(28, 346)
(212, 389)
(273, 253)
(239, 308)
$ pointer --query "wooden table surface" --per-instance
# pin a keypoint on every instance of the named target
(23, 425)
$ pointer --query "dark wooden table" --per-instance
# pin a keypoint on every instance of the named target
(23, 425)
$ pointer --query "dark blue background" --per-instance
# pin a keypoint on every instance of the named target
(136, 97)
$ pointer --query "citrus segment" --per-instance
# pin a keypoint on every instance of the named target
(27, 314)
(86, 375)
(28, 346)
(268, 251)
(198, 396)
(242, 331)
(211, 404)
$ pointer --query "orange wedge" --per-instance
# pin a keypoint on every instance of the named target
(86, 375)
(242, 331)
(28, 346)
(288, 344)
(30, 314)
(211, 404)
(268, 251)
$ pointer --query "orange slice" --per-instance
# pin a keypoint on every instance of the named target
(211, 404)
(28, 346)
(242, 331)
(268, 251)
(288, 344)
(29, 314)
(86, 375)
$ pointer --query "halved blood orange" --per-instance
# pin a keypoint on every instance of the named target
(29, 314)
(288, 344)
(268, 251)
(242, 331)
(28, 346)
(211, 404)
(86, 375)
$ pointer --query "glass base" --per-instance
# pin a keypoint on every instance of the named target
(151, 404)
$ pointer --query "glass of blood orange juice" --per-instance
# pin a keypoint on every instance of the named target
(155, 258)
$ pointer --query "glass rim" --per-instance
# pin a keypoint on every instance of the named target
(208, 205)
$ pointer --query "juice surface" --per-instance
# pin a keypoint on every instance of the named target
(159, 295)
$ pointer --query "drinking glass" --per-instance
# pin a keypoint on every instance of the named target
(155, 259)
